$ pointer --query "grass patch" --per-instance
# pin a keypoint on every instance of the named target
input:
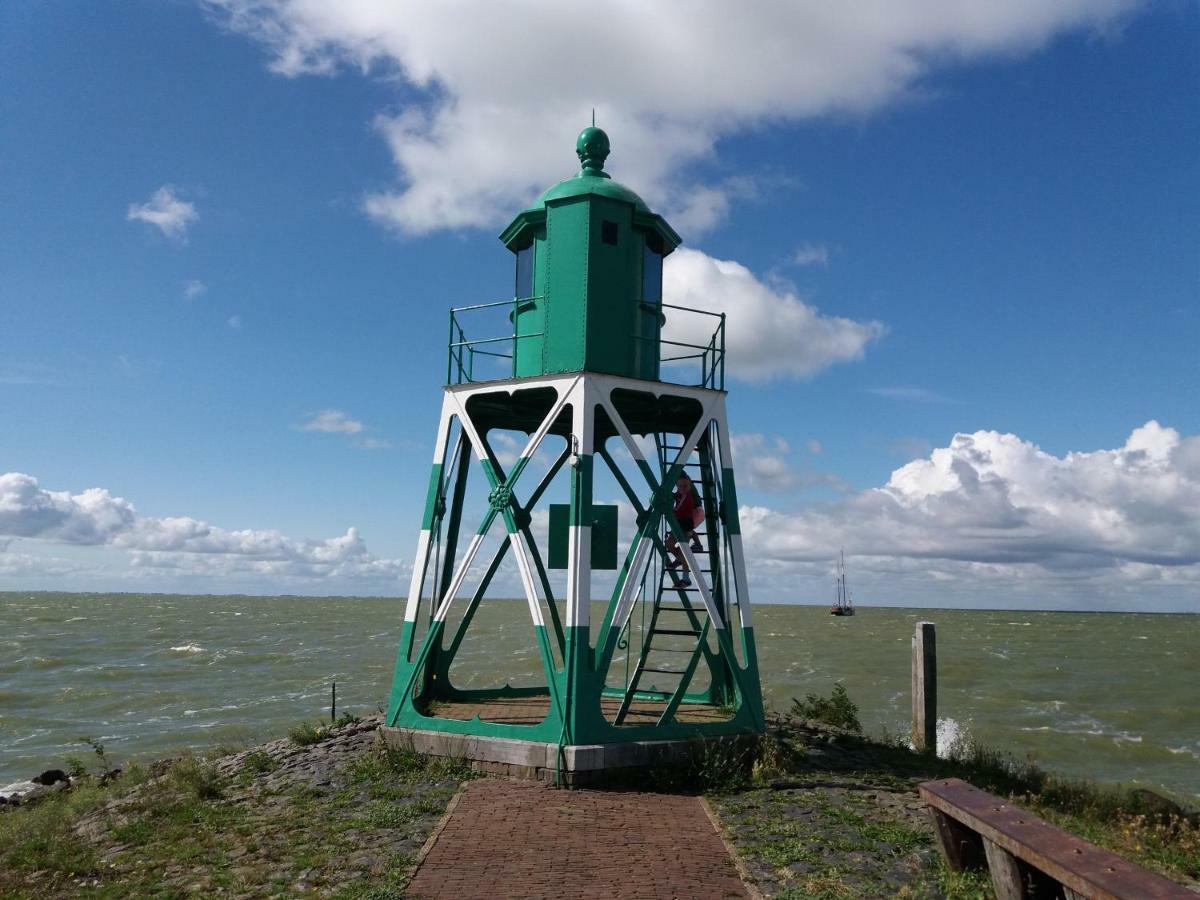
(306, 734)
(259, 762)
(196, 778)
(186, 831)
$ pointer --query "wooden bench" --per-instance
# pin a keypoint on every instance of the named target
(1029, 857)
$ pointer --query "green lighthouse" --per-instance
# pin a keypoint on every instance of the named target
(639, 614)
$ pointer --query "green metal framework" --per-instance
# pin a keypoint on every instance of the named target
(705, 626)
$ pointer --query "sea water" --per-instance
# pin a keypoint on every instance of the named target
(1109, 697)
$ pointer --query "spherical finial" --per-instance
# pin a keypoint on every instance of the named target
(592, 149)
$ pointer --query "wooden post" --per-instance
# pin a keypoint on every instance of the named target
(924, 688)
(1005, 871)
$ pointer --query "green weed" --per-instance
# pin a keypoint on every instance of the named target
(837, 709)
(304, 734)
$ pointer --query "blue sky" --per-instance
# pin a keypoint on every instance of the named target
(995, 219)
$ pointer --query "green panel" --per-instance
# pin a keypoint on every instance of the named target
(730, 503)
(559, 551)
(612, 288)
(565, 263)
(604, 536)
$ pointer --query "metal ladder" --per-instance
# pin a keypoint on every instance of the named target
(679, 622)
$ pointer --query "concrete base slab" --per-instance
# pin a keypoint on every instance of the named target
(572, 764)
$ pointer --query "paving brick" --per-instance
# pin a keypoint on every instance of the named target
(517, 839)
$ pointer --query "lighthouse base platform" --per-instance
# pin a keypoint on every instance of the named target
(573, 765)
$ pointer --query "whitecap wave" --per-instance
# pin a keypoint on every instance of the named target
(188, 648)
(952, 736)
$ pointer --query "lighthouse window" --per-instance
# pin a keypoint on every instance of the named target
(524, 287)
(652, 263)
(608, 232)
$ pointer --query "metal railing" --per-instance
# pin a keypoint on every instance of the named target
(460, 361)
(462, 351)
(711, 355)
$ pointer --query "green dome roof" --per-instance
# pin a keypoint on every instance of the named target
(592, 148)
(587, 183)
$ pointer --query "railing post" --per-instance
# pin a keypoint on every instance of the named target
(722, 330)
(924, 688)
(515, 310)
(450, 351)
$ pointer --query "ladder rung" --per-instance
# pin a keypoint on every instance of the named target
(680, 631)
(692, 609)
(665, 671)
(671, 650)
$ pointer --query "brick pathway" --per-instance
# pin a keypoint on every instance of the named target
(511, 839)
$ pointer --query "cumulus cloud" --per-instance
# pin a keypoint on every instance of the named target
(996, 507)
(234, 322)
(667, 81)
(91, 517)
(193, 289)
(181, 543)
(771, 331)
(166, 212)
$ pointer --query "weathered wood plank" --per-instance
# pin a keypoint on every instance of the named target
(1074, 863)
(924, 688)
(1005, 872)
(961, 846)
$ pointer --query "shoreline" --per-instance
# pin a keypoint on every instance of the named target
(330, 813)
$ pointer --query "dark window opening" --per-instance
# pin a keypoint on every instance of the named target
(524, 285)
(608, 232)
(652, 265)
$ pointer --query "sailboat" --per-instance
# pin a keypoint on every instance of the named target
(842, 604)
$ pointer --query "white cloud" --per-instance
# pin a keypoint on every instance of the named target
(331, 421)
(194, 289)
(177, 543)
(809, 254)
(335, 421)
(668, 82)
(764, 464)
(234, 322)
(771, 332)
(997, 509)
(166, 212)
(761, 462)
(815, 447)
(92, 517)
